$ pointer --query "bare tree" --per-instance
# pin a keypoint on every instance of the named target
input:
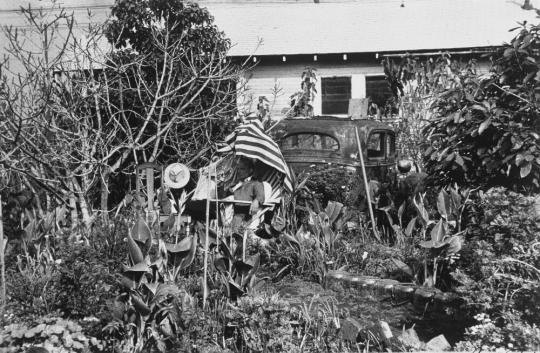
(78, 111)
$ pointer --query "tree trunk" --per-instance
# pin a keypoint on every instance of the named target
(73, 207)
(2, 260)
(85, 211)
(105, 195)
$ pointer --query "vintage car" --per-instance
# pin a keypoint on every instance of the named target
(332, 140)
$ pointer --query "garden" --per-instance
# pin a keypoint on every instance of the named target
(95, 257)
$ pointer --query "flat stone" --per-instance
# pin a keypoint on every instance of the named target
(409, 338)
(350, 330)
(438, 344)
(385, 332)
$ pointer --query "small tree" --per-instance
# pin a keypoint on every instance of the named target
(416, 84)
(486, 131)
(301, 101)
(72, 114)
(171, 85)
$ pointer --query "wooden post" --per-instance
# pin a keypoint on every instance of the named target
(150, 188)
(2, 259)
(366, 186)
(206, 240)
(217, 206)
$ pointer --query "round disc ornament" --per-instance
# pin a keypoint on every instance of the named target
(176, 176)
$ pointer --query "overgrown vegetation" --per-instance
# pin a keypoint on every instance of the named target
(126, 282)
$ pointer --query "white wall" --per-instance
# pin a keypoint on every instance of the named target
(287, 78)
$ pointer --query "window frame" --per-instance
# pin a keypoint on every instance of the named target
(389, 140)
(325, 99)
(367, 95)
(292, 135)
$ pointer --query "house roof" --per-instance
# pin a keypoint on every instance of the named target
(366, 25)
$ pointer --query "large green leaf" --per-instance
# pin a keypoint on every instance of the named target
(410, 227)
(444, 204)
(525, 169)
(140, 267)
(182, 248)
(333, 210)
(135, 251)
(140, 231)
(438, 232)
(140, 305)
(186, 261)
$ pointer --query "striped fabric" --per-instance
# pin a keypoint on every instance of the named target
(250, 140)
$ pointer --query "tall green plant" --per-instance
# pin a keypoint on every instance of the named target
(486, 131)
(146, 312)
(302, 101)
(416, 83)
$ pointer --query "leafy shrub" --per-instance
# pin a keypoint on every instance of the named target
(516, 335)
(52, 333)
(84, 282)
(485, 131)
(333, 183)
(270, 324)
(498, 273)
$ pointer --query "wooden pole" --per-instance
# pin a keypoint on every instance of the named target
(366, 186)
(206, 240)
(217, 206)
(2, 259)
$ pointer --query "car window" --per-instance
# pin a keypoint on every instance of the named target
(375, 145)
(391, 144)
(310, 141)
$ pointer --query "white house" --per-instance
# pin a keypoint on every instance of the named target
(344, 40)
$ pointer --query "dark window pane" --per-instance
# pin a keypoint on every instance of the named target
(375, 145)
(390, 145)
(336, 92)
(378, 90)
(309, 141)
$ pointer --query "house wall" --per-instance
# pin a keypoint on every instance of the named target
(278, 81)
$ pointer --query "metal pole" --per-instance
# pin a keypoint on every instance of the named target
(366, 186)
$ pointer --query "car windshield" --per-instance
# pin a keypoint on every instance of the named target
(310, 141)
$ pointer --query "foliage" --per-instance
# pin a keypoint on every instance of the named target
(235, 276)
(416, 83)
(146, 313)
(485, 131)
(516, 335)
(270, 324)
(56, 272)
(166, 97)
(498, 272)
(333, 183)
(170, 68)
(54, 334)
(301, 101)
(84, 282)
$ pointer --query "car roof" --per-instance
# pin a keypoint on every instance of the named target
(323, 120)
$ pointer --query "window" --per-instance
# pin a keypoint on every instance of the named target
(310, 141)
(336, 92)
(375, 145)
(380, 145)
(378, 90)
(390, 145)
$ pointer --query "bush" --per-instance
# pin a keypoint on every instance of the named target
(52, 333)
(269, 324)
(485, 131)
(498, 273)
(85, 281)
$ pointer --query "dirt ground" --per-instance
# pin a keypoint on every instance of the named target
(368, 308)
